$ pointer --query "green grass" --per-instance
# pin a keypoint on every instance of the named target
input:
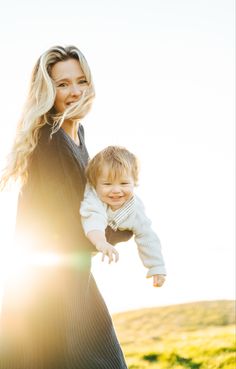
(196, 336)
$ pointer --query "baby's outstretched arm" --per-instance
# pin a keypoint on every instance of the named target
(98, 239)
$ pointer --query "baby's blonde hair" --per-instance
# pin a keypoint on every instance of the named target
(118, 160)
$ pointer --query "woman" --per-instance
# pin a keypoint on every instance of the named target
(53, 315)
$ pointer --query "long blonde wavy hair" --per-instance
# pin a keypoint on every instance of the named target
(38, 110)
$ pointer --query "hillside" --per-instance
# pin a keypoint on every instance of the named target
(175, 318)
(193, 335)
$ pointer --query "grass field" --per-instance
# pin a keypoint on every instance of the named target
(198, 335)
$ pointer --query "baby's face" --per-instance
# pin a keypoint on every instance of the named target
(115, 192)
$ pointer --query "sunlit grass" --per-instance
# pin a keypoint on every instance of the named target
(211, 348)
(187, 339)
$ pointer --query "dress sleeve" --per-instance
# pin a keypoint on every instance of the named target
(57, 186)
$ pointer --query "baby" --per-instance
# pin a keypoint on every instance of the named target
(109, 200)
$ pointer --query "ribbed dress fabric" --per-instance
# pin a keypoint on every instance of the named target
(53, 316)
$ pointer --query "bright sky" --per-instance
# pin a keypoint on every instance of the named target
(164, 78)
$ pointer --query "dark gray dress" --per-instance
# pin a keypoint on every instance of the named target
(53, 316)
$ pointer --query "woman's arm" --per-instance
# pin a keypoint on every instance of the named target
(115, 237)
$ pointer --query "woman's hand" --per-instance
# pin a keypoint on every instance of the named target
(158, 280)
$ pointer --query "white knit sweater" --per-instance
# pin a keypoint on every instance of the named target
(96, 215)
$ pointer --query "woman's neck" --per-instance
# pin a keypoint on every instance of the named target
(71, 128)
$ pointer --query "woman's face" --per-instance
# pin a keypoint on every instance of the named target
(70, 83)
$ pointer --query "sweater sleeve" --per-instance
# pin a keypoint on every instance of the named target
(148, 243)
(57, 182)
(93, 211)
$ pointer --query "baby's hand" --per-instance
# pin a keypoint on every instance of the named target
(108, 250)
(158, 280)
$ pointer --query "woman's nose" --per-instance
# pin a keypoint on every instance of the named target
(75, 90)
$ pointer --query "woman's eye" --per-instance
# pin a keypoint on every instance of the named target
(62, 85)
(106, 183)
(82, 82)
